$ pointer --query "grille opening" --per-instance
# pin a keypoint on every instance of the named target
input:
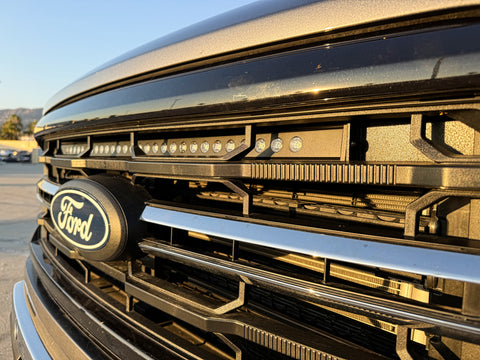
(164, 275)
(356, 209)
(204, 340)
(376, 338)
(352, 207)
(185, 193)
(68, 174)
(367, 210)
(271, 304)
(62, 175)
(378, 282)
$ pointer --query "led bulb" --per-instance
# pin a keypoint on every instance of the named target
(205, 147)
(193, 147)
(296, 144)
(183, 147)
(276, 145)
(260, 146)
(217, 146)
(230, 146)
(164, 148)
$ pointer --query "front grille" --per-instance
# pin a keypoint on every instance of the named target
(309, 224)
(260, 295)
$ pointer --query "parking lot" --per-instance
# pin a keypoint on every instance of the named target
(19, 208)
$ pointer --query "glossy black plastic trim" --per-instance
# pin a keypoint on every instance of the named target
(386, 66)
(98, 332)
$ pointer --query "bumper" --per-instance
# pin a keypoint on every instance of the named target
(47, 323)
(26, 342)
(39, 328)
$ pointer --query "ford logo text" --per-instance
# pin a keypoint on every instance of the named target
(80, 219)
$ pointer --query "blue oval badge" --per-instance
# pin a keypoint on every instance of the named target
(80, 219)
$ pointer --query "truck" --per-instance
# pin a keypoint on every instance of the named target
(289, 180)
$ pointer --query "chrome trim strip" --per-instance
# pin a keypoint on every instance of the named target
(28, 342)
(48, 187)
(313, 291)
(439, 263)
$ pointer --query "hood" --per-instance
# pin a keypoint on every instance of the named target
(247, 27)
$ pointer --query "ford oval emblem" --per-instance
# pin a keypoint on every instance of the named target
(80, 219)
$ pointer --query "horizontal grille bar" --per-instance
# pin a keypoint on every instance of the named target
(48, 187)
(444, 264)
(378, 174)
(381, 309)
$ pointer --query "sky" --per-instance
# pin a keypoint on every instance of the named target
(47, 44)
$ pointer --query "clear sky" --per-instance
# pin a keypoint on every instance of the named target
(46, 44)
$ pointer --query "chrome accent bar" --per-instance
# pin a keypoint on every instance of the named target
(439, 263)
(48, 186)
(383, 309)
(25, 339)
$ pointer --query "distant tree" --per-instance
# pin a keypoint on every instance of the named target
(11, 128)
(30, 128)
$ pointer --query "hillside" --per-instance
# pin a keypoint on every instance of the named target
(26, 115)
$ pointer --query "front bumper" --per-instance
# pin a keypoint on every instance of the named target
(48, 323)
(26, 342)
(39, 328)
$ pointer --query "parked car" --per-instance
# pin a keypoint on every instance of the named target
(15, 156)
(6, 154)
(24, 156)
(295, 179)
